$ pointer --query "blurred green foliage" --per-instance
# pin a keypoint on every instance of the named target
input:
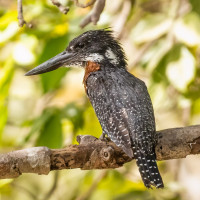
(51, 81)
(162, 42)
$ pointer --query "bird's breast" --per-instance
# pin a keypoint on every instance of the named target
(90, 67)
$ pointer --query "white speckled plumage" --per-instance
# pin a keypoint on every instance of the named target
(120, 100)
(124, 109)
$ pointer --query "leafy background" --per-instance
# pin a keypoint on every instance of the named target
(162, 41)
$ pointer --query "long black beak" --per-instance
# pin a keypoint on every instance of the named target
(57, 61)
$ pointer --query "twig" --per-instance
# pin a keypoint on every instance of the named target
(92, 188)
(140, 53)
(53, 188)
(84, 5)
(93, 16)
(20, 16)
(62, 8)
(122, 18)
(93, 153)
(95, 13)
(30, 193)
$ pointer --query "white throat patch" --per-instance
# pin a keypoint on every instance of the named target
(94, 57)
(111, 56)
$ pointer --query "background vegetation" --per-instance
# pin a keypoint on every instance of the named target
(162, 41)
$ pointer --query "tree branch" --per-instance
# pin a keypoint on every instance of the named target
(62, 8)
(20, 16)
(95, 13)
(93, 153)
(93, 16)
(84, 5)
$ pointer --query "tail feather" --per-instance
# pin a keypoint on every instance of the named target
(148, 169)
(142, 168)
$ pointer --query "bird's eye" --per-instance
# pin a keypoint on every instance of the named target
(80, 45)
(70, 48)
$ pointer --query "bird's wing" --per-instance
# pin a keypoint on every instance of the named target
(123, 107)
(141, 114)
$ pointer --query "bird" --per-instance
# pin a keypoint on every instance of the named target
(121, 100)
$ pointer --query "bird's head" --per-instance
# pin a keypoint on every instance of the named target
(97, 46)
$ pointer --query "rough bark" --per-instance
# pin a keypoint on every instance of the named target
(93, 153)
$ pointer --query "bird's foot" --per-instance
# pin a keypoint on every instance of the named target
(103, 137)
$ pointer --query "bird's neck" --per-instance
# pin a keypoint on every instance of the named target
(89, 68)
(93, 67)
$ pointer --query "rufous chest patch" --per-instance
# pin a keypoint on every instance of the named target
(90, 67)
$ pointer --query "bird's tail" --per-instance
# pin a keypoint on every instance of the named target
(148, 169)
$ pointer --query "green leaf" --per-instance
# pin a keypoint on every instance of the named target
(75, 115)
(196, 107)
(122, 186)
(51, 133)
(176, 67)
(5, 182)
(136, 194)
(194, 87)
(155, 54)
(181, 70)
(91, 123)
(150, 27)
(195, 6)
(5, 81)
(5, 187)
(38, 123)
(186, 29)
(51, 80)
